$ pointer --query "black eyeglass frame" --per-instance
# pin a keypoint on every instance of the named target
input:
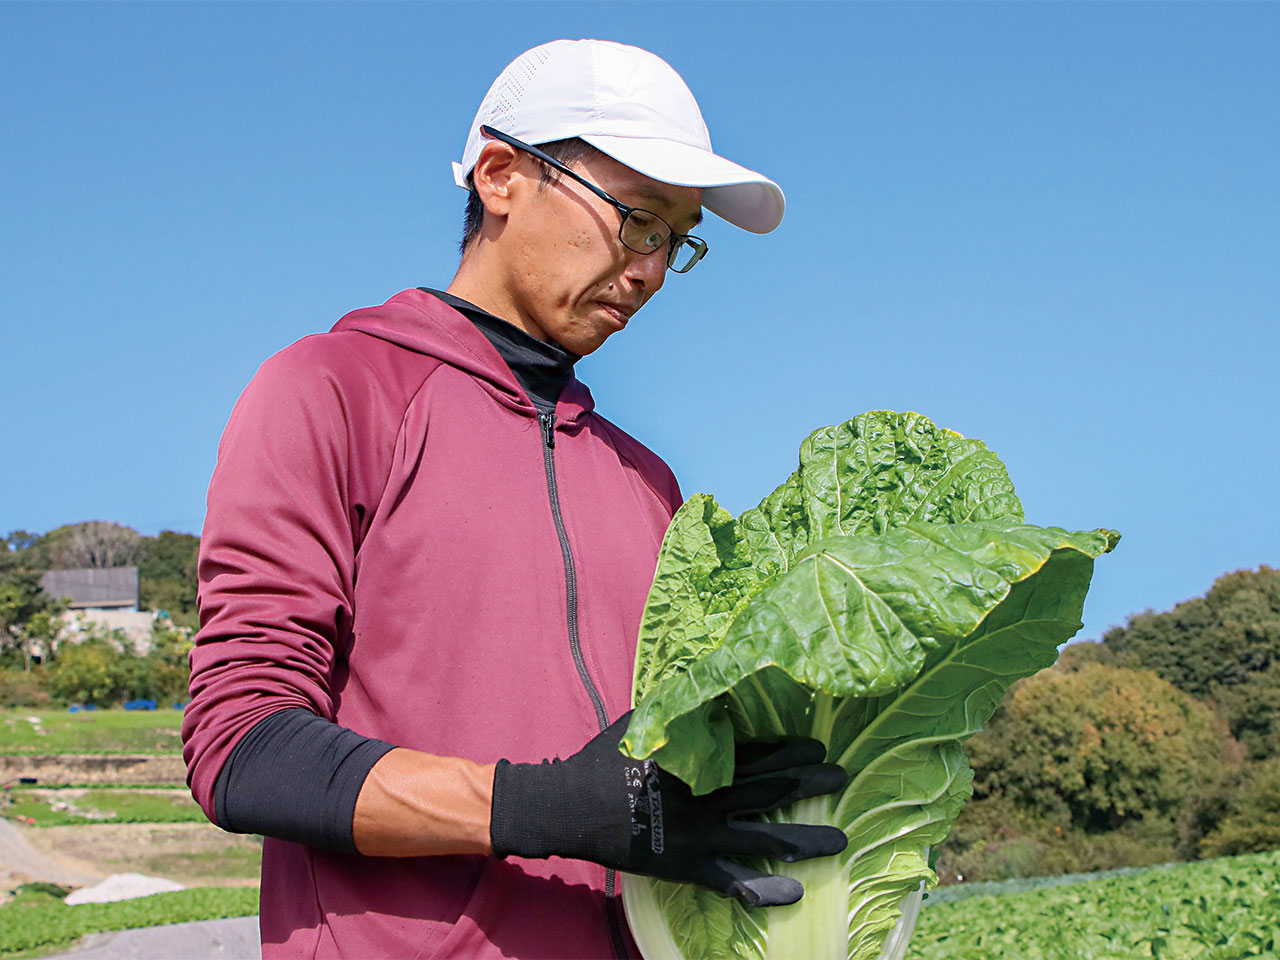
(676, 240)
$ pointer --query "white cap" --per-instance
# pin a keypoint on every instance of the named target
(629, 104)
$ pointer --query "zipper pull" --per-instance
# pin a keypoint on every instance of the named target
(547, 421)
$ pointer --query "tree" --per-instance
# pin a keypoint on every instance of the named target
(96, 543)
(1252, 709)
(21, 598)
(168, 556)
(1223, 646)
(168, 669)
(1100, 747)
(87, 672)
(1253, 823)
(41, 633)
(1089, 766)
(167, 575)
(166, 570)
(17, 549)
(1075, 656)
(1220, 638)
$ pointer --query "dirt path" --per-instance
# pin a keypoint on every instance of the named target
(194, 854)
(21, 863)
(235, 939)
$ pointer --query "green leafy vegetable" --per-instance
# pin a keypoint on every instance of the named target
(882, 599)
(1226, 909)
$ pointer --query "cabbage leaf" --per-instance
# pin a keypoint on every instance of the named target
(882, 599)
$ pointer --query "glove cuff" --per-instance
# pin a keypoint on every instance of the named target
(539, 810)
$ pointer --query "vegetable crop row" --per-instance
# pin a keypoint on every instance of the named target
(1211, 910)
(37, 923)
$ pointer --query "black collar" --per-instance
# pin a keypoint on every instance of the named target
(541, 366)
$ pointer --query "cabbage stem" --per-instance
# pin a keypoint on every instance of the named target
(817, 926)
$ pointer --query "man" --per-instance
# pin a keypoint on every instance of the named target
(426, 555)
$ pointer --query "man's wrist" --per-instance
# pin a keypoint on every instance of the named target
(417, 804)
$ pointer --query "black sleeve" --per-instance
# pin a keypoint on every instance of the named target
(296, 776)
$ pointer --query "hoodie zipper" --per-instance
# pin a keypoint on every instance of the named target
(547, 422)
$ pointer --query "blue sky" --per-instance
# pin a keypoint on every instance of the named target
(1049, 226)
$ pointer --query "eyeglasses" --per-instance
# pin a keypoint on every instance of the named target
(641, 230)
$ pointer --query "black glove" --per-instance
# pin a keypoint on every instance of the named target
(631, 815)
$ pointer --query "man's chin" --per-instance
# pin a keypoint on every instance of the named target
(583, 349)
(584, 345)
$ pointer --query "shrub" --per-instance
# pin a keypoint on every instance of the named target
(1252, 708)
(1252, 824)
(992, 839)
(86, 672)
(1100, 747)
(103, 669)
(1090, 766)
(21, 688)
(996, 839)
(1224, 645)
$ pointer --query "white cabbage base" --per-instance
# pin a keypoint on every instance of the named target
(654, 939)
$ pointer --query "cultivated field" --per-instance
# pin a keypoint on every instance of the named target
(65, 834)
(1227, 909)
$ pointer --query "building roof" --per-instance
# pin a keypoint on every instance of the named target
(107, 587)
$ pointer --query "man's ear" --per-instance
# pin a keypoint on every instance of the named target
(494, 174)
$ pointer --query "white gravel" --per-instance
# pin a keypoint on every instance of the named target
(122, 886)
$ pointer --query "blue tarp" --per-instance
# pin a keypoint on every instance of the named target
(139, 704)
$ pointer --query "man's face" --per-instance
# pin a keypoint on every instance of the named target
(569, 278)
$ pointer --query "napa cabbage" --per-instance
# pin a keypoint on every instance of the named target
(882, 600)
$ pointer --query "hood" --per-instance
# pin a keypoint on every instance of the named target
(418, 321)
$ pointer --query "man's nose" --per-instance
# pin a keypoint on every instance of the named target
(647, 271)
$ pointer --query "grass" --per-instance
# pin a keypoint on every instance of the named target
(36, 921)
(104, 806)
(194, 854)
(223, 864)
(90, 731)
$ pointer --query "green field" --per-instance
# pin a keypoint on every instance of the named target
(1226, 909)
(1211, 910)
(106, 823)
(36, 921)
(90, 731)
(51, 808)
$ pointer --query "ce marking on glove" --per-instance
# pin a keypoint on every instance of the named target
(644, 794)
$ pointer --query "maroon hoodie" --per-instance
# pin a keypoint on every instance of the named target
(382, 548)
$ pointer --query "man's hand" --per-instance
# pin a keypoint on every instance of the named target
(630, 815)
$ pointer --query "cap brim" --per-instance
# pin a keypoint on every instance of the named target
(745, 198)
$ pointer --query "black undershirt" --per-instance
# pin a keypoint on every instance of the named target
(296, 775)
(541, 366)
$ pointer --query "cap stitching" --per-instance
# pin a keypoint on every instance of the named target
(597, 112)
